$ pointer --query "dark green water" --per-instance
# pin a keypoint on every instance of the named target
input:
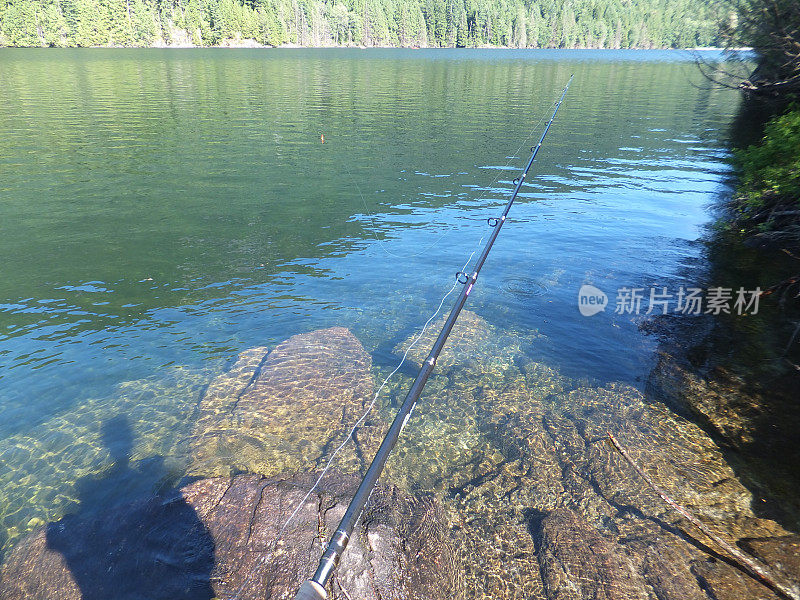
(161, 211)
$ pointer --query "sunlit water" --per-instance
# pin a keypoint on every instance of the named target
(162, 211)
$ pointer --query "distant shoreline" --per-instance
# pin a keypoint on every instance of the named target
(252, 44)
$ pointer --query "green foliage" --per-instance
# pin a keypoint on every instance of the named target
(768, 199)
(119, 22)
(20, 25)
(86, 23)
(438, 23)
(772, 29)
(144, 23)
(770, 171)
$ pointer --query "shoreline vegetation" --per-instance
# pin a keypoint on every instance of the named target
(739, 378)
(766, 206)
(609, 24)
(249, 43)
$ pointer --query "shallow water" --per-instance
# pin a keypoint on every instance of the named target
(162, 211)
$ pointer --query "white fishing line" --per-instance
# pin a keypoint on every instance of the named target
(375, 397)
(482, 196)
(358, 423)
(419, 336)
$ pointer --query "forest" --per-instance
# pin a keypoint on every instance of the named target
(767, 203)
(406, 23)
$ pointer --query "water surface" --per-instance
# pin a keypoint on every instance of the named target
(163, 210)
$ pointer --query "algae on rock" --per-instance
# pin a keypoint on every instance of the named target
(284, 410)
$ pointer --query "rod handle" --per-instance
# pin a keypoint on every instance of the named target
(311, 590)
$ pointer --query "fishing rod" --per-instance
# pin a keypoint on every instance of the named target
(314, 588)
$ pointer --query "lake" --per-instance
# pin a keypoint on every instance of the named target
(162, 211)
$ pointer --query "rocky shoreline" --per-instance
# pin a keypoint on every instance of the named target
(503, 486)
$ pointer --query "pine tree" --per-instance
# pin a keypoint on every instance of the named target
(518, 23)
(86, 23)
(143, 19)
(120, 24)
(20, 24)
(462, 29)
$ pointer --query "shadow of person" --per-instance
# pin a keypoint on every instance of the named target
(127, 543)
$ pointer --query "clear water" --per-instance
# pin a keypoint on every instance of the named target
(163, 210)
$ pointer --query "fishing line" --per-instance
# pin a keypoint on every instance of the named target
(358, 423)
(314, 588)
(369, 408)
(482, 196)
(371, 405)
(424, 327)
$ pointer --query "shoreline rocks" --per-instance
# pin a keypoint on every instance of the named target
(508, 451)
(225, 537)
(757, 424)
(560, 515)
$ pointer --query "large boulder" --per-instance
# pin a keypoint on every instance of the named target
(577, 562)
(285, 409)
(230, 537)
(598, 528)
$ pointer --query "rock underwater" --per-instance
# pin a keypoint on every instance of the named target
(282, 410)
(507, 449)
(552, 512)
(219, 538)
(222, 536)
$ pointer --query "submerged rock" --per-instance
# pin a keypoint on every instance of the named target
(623, 541)
(719, 403)
(444, 445)
(550, 509)
(225, 538)
(282, 410)
(41, 470)
(545, 508)
(449, 448)
(156, 548)
(577, 562)
(756, 417)
(473, 341)
(782, 552)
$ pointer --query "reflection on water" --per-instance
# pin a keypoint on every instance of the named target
(162, 211)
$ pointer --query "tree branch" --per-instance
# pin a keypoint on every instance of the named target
(760, 571)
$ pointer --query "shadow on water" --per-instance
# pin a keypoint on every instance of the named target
(748, 124)
(744, 371)
(151, 548)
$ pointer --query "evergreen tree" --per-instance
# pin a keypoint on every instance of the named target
(20, 24)
(119, 22)
(517, 23)
(86, 22)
